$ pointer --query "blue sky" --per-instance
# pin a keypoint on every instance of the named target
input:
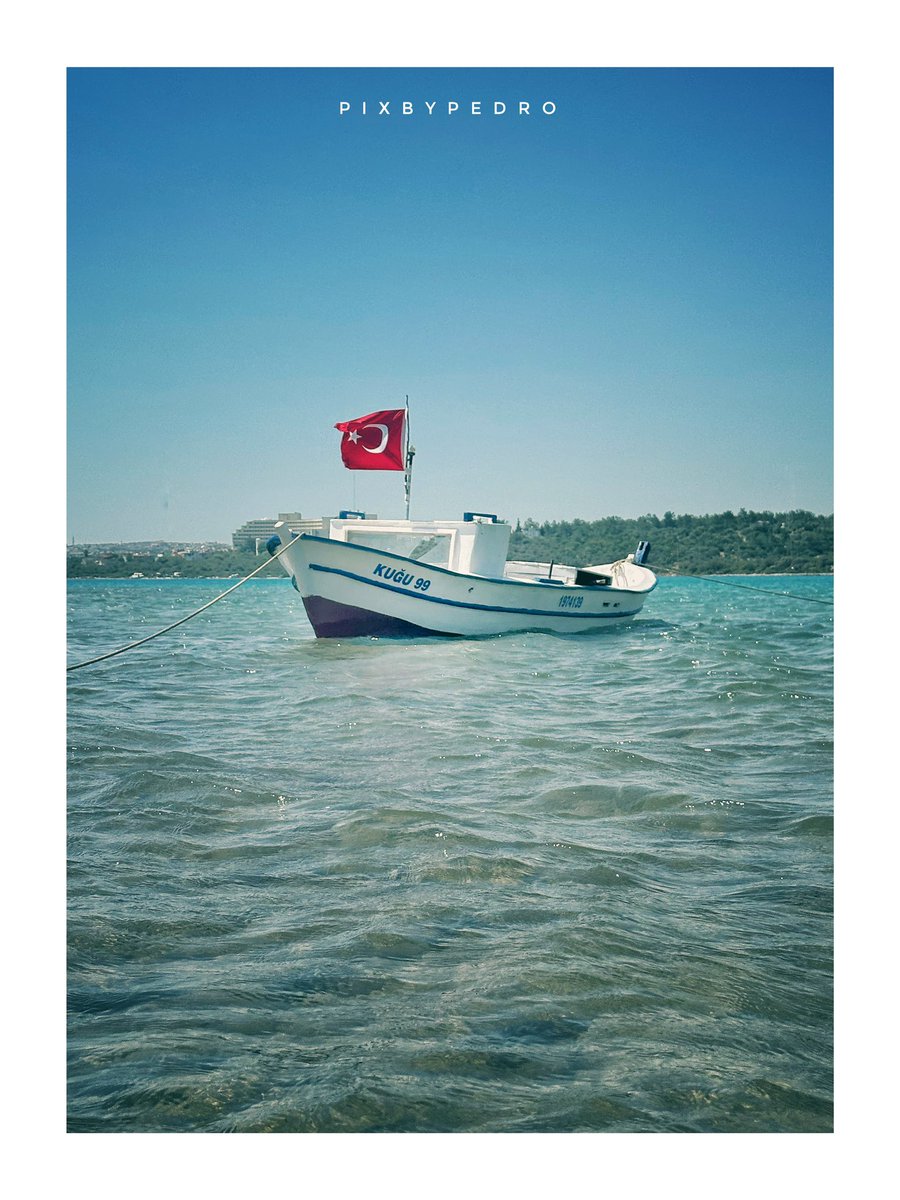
(621, 308)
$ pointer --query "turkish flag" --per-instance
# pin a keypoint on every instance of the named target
(375, 442)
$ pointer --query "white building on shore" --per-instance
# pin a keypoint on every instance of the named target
(254, 534)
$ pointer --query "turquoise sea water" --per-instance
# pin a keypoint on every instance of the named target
(522, 884)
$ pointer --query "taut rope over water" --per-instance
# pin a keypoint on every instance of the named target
(746, 586)
(149, 638)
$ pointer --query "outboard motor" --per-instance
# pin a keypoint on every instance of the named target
(642, 554)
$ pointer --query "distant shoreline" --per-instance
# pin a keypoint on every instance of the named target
(749, 544)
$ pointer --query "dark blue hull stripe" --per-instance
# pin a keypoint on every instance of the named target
(524, 612)
(312, 537)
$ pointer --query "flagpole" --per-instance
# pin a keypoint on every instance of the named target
(408, 460)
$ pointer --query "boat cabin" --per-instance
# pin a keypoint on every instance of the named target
(476, 545)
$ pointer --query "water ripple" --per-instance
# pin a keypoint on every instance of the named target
(521, 884)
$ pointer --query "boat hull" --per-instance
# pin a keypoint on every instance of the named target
(357, 591)
(333, 619)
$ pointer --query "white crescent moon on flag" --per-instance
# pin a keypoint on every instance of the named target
(379, 449)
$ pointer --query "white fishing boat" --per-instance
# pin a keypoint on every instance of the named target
(376, 578)
(372, 578)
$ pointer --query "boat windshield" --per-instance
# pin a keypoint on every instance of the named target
(433, 548)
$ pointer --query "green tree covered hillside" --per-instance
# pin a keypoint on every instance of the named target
(722, 544)
(90, 563)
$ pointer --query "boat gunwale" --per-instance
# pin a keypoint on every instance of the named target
(527, 583)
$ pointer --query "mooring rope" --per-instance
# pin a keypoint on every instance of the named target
(149, 638)
(746, 586)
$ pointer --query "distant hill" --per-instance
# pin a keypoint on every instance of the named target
(122, 562)
(742, 543)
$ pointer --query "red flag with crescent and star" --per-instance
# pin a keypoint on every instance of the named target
(374, 442)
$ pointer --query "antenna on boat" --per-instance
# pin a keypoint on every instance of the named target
(409, 455)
